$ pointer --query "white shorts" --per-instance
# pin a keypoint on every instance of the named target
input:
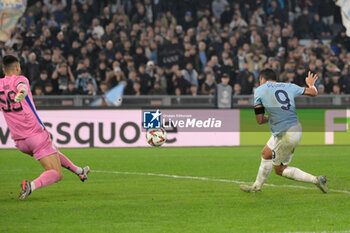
(283, 146)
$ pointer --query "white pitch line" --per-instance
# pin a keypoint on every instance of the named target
(320, 231)
(212, 179)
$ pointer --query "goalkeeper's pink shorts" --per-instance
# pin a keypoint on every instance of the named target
(39, 145)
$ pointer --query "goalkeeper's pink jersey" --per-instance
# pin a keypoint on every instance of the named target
(21, 118)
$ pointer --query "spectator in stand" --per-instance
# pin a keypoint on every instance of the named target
(299, 78)
(336, 90)
(140, 15)
(91, 89)
(302, 24)
(53, 5)
(60, 14)
(193, 90)
(146, 81)
(109, 35)
(62, 44)
(320, 89)
(290, 76)
(157, 90)
(237, 22)
(188, 21)
(208, 87)
(276, 12)
(71, 90)
(218, 7)
(101, 72)
(223, 93)
(202, 56)
(48, 90)
(140, 58)
(168, 19)
(97, 28)
(237, 89)
(160, 77)
(337, 79)
(29, 19)
(86, 15)
(151, 69)
(38, 91)
(326, 11)
(103, 88)
(271, 50)
(61, 77)
(190, 74)
(116, 77)
(45, 62)
(226, 16)
(246, 87)
(109, 51)
(23, 57)
(255, 63)
(180, 82)
(318, 28)
(137, 88)
(81, 84)
(32, 68)
(41, 82)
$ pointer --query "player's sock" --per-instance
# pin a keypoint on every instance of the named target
(297, 174)
(263, 173)
(32, 186)
(46, 178)
(66, 163)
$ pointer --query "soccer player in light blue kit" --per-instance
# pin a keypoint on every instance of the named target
(278, 100)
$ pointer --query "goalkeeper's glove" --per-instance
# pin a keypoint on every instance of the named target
(20, 95)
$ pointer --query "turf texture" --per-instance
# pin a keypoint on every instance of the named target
(141, 200)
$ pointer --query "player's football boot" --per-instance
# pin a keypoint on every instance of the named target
(321, 183)
(83, 176)
(250, 189)
(26, 189)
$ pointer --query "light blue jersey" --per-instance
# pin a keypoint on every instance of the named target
(278, 100)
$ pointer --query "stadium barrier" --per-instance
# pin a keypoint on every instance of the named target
(184, 101)
(185, 127)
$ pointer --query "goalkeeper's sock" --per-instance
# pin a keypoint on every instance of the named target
(46, 178)
(263, 173)
(32, 186)
(298, 175)
(66, 163)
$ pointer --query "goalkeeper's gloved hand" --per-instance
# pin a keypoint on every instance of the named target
(20, 95)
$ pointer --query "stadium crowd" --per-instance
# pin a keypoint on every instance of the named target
(173, 47)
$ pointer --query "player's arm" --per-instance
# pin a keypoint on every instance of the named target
(310, 81)
(260, 114)
(22, 91)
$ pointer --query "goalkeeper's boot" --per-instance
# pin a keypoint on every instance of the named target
(321, 183)
(250, 189)
(83, 176)
(26, 189)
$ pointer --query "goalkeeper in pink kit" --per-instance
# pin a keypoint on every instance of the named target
(27, 130)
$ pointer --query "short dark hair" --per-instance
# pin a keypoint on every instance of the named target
(268, 74)
(8, 60)
(225, 75)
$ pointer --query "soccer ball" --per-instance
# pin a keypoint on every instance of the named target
(156, 137)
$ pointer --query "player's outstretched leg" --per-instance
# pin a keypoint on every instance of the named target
(52, 175)
(299, 175)
(81, 172)
(263, 173)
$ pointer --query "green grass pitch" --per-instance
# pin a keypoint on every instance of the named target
(111, 202)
